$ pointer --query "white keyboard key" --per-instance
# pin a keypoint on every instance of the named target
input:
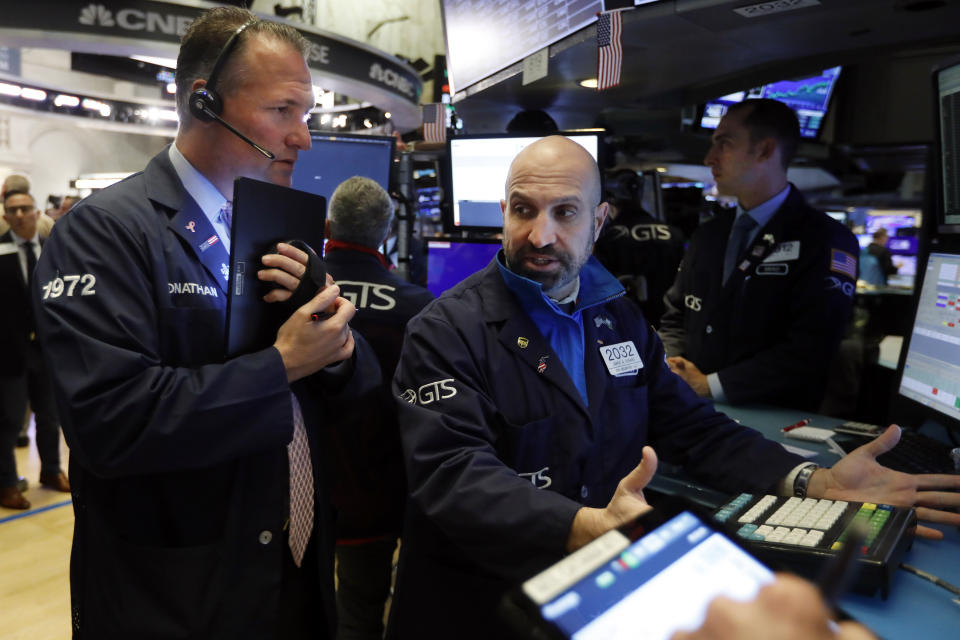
(764, 530)
(795, 536)
(812, 539)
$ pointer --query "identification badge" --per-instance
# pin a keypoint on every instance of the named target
(784, 251)
(780, 269)
(621, 359)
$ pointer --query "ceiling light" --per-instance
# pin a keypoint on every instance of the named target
(387, 115)
(33, 94)
(589, 83)
(10, 89)
(170, 63)
(63, 100)
(96, 105)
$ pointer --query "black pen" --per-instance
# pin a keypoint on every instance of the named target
(839, 571)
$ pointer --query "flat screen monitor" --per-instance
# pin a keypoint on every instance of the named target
(478, 168)
(333, 158)
(486, 37)
(946, 87)
(930, 364)
(450, 260)
(809, 97)
(903, 246)
(906, 271)
(891, 221)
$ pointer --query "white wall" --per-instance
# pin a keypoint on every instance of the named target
(419, 36)
(52, 150)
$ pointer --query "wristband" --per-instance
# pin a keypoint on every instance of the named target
(803, 479)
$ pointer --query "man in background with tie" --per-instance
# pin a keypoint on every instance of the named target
(761, 300)
(22, 372)
(199, 507)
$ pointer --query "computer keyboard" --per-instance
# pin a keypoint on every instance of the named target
(802, 534)
(915, 453)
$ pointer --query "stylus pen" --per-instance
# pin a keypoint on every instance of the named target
(838, 573)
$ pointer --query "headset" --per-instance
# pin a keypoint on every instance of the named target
(206, 104)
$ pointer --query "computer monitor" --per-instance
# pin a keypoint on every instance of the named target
(906, 271)
(903, 245)
(809, 97)
(929, 371)
(890, 220)
(451, 260)
(477, 167)
(332, 158)
(946, 89)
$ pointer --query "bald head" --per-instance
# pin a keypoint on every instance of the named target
(557, 157)
(552, 213)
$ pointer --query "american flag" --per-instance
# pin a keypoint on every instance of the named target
(843, 262)
(609, 51)
(434, 123)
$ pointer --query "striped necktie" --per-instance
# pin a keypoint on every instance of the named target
(226, 215)
(301, 486)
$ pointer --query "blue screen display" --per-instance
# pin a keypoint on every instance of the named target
(809, 97)
(332, 159)
(449, 262)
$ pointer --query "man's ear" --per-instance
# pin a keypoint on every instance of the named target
(326, 228)
(599, 217)
(766, 149)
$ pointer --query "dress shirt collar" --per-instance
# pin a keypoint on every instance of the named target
(202, 191)
(763, 212)
(22, 241)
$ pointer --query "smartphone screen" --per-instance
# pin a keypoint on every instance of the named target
(648, 588)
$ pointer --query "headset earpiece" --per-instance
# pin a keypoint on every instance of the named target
(205, 100)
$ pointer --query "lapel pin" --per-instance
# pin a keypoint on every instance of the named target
(191, 227)
(522, 342)
(542, 365)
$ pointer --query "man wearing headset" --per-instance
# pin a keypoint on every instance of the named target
(188, 523)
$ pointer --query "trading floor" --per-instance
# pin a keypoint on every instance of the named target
(35, 555)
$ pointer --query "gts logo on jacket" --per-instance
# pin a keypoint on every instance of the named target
(430, 392)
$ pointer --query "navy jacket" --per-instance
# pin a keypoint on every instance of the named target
(773, 329)
(17, 328)
(502, 451)
(178, 458)
(363, 451)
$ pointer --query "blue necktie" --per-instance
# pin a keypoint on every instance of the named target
(737, 243)
(226, 215)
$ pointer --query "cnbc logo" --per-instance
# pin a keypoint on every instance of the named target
(97, 15)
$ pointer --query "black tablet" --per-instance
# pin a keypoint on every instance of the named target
(647, 580)
(263, 215)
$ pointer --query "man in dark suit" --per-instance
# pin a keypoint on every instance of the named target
(369, 488)
(22, 373)
(200, 512)
(761, 300)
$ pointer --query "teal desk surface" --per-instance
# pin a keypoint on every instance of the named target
(915, 608)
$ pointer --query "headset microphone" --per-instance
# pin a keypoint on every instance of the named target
(233, 130)
(205, 102)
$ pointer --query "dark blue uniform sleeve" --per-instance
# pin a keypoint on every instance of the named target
(135, 391)
(687, 431)
(449, 430)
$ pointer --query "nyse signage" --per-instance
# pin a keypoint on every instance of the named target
(135, 22)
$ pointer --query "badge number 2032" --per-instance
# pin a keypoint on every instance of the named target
(67, 285)
(619, 351)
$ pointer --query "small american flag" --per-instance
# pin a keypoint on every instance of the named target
(609, 51)
(843, 262)
(434, 123)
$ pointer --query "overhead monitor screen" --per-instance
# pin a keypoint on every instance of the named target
(478, 172)
(486, 36)
(931, 370)
(809, 97)
(947, 82)
(333, 158)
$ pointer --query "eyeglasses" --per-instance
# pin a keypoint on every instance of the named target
(21, 208)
